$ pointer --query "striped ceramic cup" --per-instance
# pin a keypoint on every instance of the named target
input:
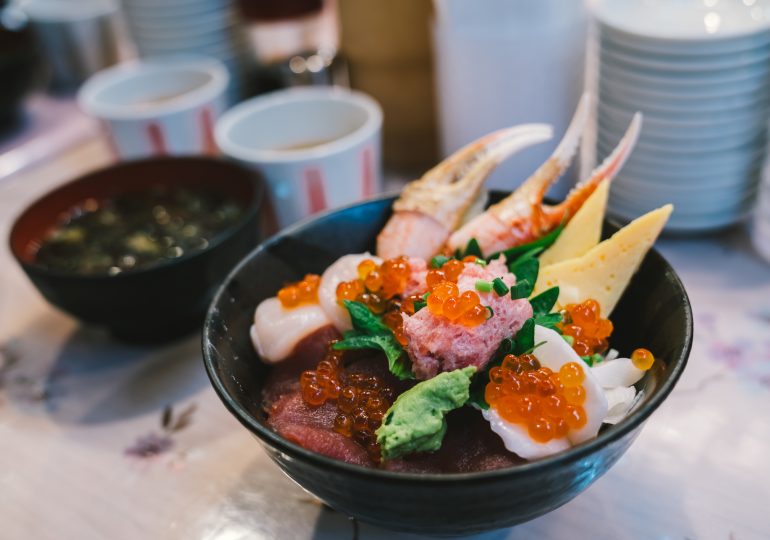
(318, 147)
(158, 106)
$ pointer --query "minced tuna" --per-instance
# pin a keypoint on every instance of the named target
(437, 344)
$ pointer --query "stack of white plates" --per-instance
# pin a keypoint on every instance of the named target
(193, 27)
(760, 233)
(699, 71)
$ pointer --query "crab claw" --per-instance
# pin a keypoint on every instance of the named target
(522, 217)
(430, 208)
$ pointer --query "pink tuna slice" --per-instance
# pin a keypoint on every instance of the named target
(437, 344)
(312, 428)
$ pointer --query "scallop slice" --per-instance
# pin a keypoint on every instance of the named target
(618, 372)
(553, 353)
(619, 400)
(277, 330)
(517, 440)
(344, 269)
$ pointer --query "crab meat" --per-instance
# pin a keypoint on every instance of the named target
(430, 208)
(522, 217)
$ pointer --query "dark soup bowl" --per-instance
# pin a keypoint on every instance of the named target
(162, 300)
(654, 312)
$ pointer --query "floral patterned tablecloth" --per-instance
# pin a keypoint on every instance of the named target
(99, 440)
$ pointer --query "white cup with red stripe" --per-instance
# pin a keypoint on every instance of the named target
(317, 147)
(158, 106)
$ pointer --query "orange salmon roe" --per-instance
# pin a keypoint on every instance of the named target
(361, 400)
(376, 284)
(585, 325)
(300, 292)
(548, 404)
(445, 300)
(642, 359)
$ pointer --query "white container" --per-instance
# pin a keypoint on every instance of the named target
(500, 63)
(317, 148)
(158, 106)
(78, 38)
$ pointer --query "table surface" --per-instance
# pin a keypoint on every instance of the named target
(85, 453)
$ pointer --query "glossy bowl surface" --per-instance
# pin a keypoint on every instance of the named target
(654, 312)
(159, 302)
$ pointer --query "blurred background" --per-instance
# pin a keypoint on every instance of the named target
(293, 107)
(444, 72)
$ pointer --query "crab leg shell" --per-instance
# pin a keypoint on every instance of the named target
(532, 191)
(607, 170)
(494, 229)
(447, 190)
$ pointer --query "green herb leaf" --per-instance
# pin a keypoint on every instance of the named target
(542, 243)
(500, 287)
(592, 359)
(569, 339)
(369, 332)
(419, 304)
(364, 320)
(398, 361)
(473, 248)
(549, 320)
(543, 303)
(525, 337)
(438, 261)
(535, 346)
(526, 268)
(483, 286)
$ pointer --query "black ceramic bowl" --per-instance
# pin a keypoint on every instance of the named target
(159, 302)
(654, 312)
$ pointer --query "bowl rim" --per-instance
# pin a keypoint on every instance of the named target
(271, 438)
(251, 210)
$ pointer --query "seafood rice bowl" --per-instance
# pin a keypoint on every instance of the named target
(473, 338)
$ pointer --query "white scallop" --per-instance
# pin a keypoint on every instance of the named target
(619, 401)
(517, 440)
(344, 269)
(277, 330)
(618, 372)
(554, 353)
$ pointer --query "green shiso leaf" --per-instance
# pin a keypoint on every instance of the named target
(543, 303)
(541, 243)
(438, 261)
(369, 332)
(473, 248)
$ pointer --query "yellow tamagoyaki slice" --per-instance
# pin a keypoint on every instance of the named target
(606, 269)
(582, 232)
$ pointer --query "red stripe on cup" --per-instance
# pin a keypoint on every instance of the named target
(207, 127)
(314, 189)
(157, 141)
(368, 172)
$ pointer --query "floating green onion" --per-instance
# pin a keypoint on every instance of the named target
(483, 286)
(500, 287)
